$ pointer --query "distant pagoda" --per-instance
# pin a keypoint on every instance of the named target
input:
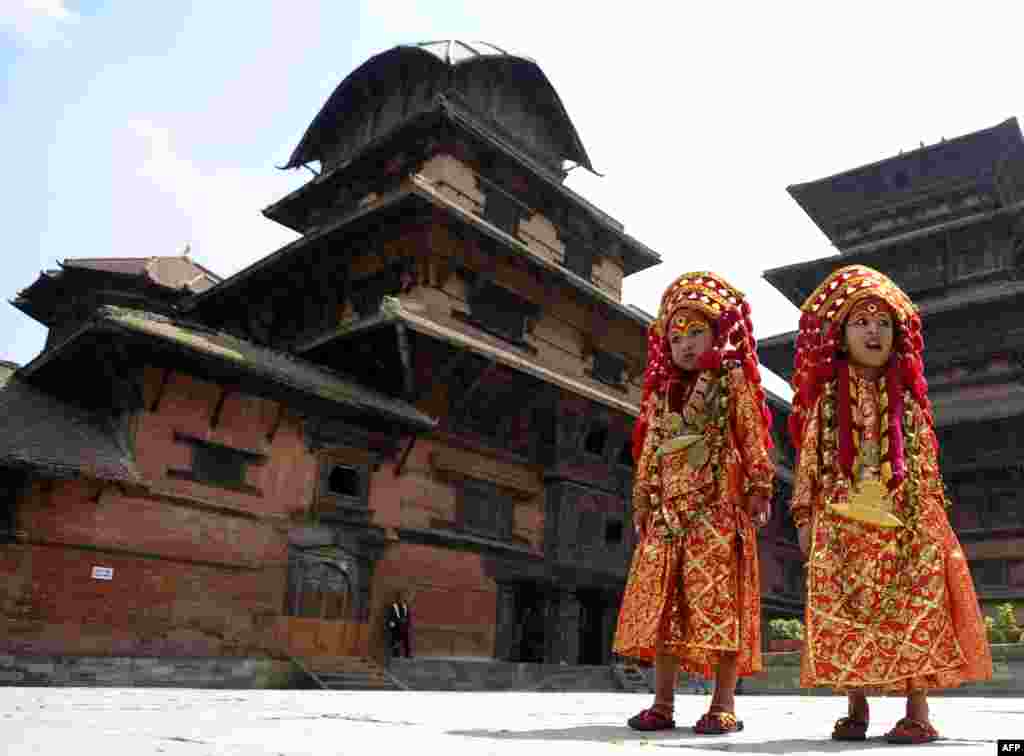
(946, 222)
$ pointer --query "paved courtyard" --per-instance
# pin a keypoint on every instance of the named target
(176, 722)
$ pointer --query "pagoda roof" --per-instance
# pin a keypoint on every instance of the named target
(169, 277)
(448, 330)
(425, 61)
(42, 434)
(448, 109)
(778, 351)
(190, 347)
(170, 272)
(869, 201)
(413, 193)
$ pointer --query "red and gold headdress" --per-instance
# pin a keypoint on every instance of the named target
(818, 359)
(729, 313)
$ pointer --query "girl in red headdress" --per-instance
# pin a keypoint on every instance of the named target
(703, 484)
(890, 602)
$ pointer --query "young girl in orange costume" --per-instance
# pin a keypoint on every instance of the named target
(703, 484)
(890, 602)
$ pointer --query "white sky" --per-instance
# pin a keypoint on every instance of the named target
(135, 128)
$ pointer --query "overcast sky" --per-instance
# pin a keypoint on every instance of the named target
(135, 128)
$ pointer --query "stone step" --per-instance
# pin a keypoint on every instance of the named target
(350, 673)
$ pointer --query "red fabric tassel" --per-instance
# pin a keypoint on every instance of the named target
(639, 432)
(845, 417)
(896, 457)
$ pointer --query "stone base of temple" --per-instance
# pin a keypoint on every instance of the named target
(149, 672)
(781, 675)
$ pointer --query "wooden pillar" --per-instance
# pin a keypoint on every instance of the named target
(505, 636)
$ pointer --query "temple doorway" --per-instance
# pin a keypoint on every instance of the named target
(597, 618)
(530, 633)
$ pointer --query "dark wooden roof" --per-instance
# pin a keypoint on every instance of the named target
(153, 280)
(935, 183)
(393, 209)
(171, 272)
(190, 347)
(511, 89)
(451, 112)
(40, 433)
(449, 331)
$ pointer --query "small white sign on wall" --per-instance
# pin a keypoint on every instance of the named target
(102, 573)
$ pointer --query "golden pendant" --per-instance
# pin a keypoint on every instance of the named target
(869, 503)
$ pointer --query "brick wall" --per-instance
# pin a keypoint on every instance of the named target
(197, 569)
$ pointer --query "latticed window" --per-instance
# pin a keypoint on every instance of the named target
(344, 485)
(485, 509)
(988, 572)
(608, 368)
(499, 310)
(368, 292)
(214, 464)
(218, 465)
(502, 211)
(596, 439)
(11, 482)
(579, 258)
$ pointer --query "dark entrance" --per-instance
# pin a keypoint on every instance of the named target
(530, 612)
(596, 628)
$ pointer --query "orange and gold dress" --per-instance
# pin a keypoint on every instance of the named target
(888, 608)
(694, 577)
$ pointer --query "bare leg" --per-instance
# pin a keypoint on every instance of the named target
(917, 705)
(857, 705)
(666, 669)
(724, 697)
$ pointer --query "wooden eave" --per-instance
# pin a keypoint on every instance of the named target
(308, 148)
(316, 390)
(778, 351)
(637, 256)
(393, 313)
(415, 191)
(798, 280)
(993, 144)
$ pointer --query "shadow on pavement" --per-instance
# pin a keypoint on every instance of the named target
(683, 737)
(597, 733)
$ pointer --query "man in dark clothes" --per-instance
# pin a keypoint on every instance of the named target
(399, 624)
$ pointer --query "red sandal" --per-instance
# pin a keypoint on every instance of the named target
(651, 719)
(911, 732)
(848, 728)
(717, 722)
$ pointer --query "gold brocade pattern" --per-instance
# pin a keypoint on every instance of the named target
(887, 609)
(694, 578)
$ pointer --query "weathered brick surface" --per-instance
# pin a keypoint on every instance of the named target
(453, 608)
(287, 480)
(192, 575)
(151, 606)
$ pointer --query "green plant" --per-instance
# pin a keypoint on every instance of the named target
(1004, 628)
(785, 629)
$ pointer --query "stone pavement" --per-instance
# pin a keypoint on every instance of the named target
(190, 722)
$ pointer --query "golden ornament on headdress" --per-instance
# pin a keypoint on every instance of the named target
(703, 291)
(838, 294)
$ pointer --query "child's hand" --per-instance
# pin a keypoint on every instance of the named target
(804, 535)
(760, 510)
(640, 522)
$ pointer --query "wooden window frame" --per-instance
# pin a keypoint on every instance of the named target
(244, 457)
(341, 502)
